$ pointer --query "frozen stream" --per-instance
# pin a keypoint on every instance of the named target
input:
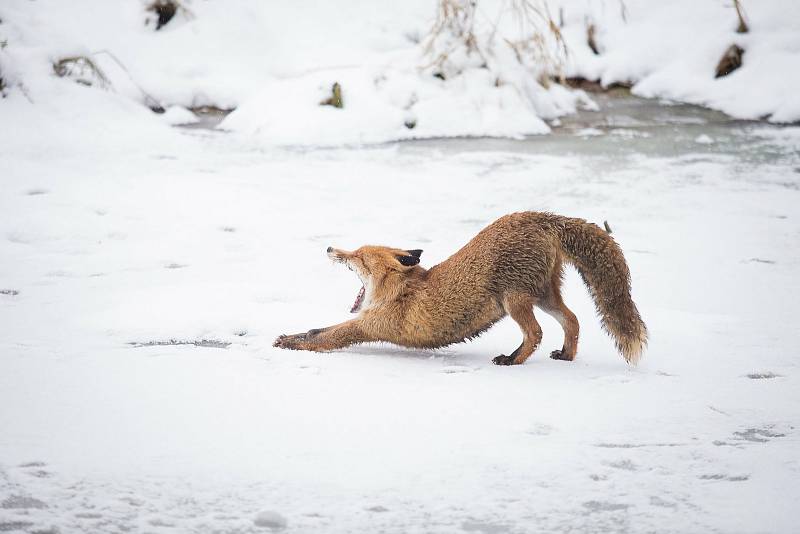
(628, 126)
(142, 285)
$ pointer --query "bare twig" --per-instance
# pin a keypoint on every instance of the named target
(743, 28)
(149, 100)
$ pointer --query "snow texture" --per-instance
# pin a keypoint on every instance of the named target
(143, 288)
(146, 269)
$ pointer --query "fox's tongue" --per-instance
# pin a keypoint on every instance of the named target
(358, 302)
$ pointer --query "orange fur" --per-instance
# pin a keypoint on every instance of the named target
(511, 266)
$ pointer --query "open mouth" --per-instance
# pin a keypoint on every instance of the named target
(362, 293)
(359, 301)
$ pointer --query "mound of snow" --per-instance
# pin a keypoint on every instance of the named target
(388, 104)
(177, 115)
(671, 49)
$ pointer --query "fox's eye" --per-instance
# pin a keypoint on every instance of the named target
(408, 261)
(415, 252)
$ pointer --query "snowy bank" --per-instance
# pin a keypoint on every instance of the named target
(402, 74)
(671, 49)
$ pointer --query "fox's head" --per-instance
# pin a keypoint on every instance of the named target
(383, 272)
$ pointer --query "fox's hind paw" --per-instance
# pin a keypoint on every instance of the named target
(503, 360)
(559, 355)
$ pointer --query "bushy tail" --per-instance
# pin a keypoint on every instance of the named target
(600, 262)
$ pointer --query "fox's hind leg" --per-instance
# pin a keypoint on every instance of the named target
(554, 305)
(520, 307)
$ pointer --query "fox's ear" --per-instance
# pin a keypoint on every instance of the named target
(415, 252)
(408, 261)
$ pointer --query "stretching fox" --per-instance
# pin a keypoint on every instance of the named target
(512, 265)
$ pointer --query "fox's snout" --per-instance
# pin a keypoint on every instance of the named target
(338, 256)
(335, 254)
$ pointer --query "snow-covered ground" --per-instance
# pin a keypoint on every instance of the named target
(274, 62)
(198, 236)
(145, 271)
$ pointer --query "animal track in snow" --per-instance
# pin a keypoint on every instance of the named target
(757, 435)
(205, 343)
(719, 476)
(750, 435)
(452, 369)
(22, 502)
(763, 376)
(602, 506)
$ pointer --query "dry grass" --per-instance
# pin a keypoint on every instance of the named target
(85, 71)
(462, 29)
(82, 70)
(456, 19)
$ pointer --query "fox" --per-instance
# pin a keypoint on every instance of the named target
(509, 268)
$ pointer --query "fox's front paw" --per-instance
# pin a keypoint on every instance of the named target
(503, 360)
(293, 342)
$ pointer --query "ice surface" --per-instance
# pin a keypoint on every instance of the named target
(271, 520)
(121, 409)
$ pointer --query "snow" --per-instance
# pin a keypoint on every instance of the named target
(146, 270)
(195, 236)
(678, 45)
(589, 132)
(385, 105)
(177, 115)
(704, 139)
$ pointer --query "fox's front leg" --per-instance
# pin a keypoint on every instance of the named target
(324, 339)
